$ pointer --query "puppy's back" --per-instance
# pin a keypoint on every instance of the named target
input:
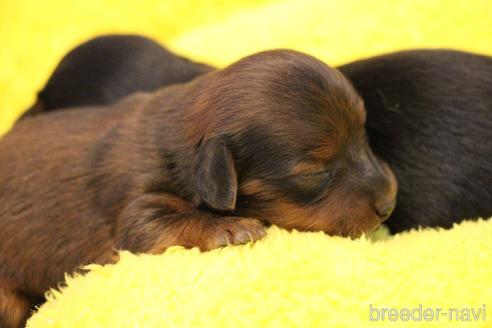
(54, 175)
(108, 68)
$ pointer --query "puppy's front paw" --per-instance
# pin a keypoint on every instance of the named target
(233, 231)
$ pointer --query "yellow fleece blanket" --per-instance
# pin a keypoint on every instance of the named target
(287, 279)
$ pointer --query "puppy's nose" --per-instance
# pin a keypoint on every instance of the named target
(384, 209)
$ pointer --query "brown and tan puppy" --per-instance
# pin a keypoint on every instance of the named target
(276, 137)
(433, 96)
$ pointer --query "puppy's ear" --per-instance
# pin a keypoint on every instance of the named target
(215, 175)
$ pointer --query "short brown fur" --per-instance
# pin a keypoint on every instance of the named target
(199, 164)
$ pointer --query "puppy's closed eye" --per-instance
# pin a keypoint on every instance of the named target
(309, 180)
(312, 182)
(303, 188)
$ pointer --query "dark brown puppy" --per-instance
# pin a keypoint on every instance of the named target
(108, 68)
(437, 97)
(429, 116)
(434, 96)
(277, 136)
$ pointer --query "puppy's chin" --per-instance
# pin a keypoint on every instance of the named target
(351, 223)
(352, 229)
(357, 231)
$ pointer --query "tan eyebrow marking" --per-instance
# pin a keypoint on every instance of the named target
(325, 151)
(306, 168)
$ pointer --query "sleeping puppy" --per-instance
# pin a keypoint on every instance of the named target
(425, 108)
(429, 115)
(108, 68)
(276, 137)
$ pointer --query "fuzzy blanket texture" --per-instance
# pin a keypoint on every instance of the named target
(289, 279)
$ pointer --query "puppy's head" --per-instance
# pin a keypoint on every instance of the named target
(283, 139)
